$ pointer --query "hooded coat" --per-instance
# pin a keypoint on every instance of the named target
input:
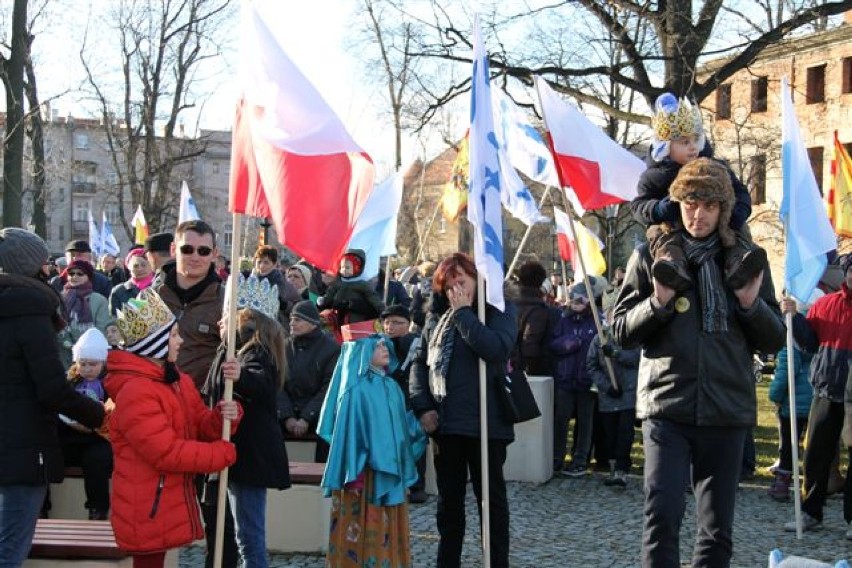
(353, 298)
(162, 434)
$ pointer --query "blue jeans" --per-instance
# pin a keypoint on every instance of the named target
(19, 509)
(248, 505)
(715, 454)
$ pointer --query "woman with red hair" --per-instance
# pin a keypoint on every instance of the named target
(444, 387)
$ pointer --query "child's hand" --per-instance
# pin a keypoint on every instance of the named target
(231, 370)
(229, 410)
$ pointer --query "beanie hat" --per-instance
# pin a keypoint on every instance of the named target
(306, 272)
(159, 242)
(674, 119)
(21, 252)
(705, 179)
(145, 323)
(133, 252)
(397, 310)
(83, 265)
(306, 311)
(92, 346)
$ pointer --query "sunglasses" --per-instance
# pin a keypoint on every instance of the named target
(76, 273)
(202, 250)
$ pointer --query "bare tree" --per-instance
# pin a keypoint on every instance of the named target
(162, 45)
(12, 74)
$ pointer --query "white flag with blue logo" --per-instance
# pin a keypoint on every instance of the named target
(375, 229)
(485, 183)
(187, 211)
(94, 237)
(108, 242)
(808, 232)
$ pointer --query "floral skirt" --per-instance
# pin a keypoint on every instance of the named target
(364, 535)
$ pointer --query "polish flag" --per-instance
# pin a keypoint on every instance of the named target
(292, 159)
(585, 243)
(595, 167)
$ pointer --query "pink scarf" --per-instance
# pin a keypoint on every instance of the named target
(142, 283)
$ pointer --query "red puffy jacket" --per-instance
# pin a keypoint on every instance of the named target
(158, 434)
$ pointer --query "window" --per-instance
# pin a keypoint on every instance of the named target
(111, 210)
(815, 157)
(846, 75)
(81, 141)
(816, 84)
(61, 232)
(228, 236)
(723, 102)
(215, 167)
(757, 179)
(81, 209)
(758, 94)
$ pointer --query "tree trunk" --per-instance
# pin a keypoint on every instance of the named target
(36, 135)
(13, 146)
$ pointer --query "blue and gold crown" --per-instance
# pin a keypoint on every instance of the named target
(672, 119)
(256, 294)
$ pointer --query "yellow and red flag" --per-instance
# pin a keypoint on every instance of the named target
(840, 193)
(454, 198)
(140, 226)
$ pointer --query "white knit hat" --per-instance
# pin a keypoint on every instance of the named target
(91, 346)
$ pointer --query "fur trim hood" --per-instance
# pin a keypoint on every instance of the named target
(704, 179)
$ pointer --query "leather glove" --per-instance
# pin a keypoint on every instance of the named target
(614, 392)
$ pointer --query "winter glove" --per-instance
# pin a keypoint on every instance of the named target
(667, 210)
(614, 392)
(609, 350)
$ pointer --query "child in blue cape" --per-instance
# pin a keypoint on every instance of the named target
(374, 447)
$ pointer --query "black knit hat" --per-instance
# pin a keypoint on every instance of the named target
(306, 311)
(21, 252)
(159, 242)
(78, 246)
(397, 310)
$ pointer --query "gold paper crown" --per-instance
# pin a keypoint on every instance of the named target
(685, 121)
(257, 294)
(142, 316)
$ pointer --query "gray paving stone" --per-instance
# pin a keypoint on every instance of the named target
(580, 522)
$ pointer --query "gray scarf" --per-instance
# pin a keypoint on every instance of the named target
(439, 354)
(711, 288)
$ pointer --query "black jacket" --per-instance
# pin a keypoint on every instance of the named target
(536, 321)
(458, 412)
(654, 184)
(33, 387)
(402, 346)
(261, 454)
(310, 361)
(688, 375)
(120, 295)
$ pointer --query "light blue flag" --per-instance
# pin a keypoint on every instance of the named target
(808, 232)
(187, 211)
(108, 242)
(375, 229)
(485, 181)
(94, 237)
(514, 134)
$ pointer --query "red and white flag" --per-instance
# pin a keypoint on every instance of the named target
(593, 165)
(292, 160)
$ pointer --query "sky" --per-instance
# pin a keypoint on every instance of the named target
(313, 34)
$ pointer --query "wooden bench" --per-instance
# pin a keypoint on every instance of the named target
(301, 449)
(298, 519)
(60, 543)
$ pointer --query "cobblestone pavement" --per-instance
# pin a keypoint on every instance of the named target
(580, 522)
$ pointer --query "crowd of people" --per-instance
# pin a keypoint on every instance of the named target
(120, 365)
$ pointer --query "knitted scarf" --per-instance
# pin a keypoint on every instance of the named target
(439, 354)
(714, 304)
(76, 299)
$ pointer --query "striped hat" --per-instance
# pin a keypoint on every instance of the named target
(145, 323)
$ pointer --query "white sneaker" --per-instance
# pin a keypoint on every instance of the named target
(808, 524)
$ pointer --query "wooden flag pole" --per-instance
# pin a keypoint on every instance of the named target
(794, 437)
(387, 279)
(524, 239)
(229, 385)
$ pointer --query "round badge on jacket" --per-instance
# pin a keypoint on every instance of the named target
(681, 304)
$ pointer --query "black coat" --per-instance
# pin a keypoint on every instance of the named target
(458, 412)
(536, 321)
(402, 346)
(311, 359)
(261, 453)
(120, 295)
(33, 387)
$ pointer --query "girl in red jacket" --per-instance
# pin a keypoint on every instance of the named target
(161, 433)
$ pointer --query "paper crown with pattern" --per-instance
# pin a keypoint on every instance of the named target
(144, 317)
(256, 294)
(672, 119)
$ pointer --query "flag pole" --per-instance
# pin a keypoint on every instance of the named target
(483, 432)
(524, 239)
(794, 434)
(569, 209)
(564, 279)
(229, 385)
(387, 278)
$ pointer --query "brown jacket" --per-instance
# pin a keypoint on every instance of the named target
(199, 327)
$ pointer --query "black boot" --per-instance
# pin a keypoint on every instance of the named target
(672, 273)
(743, 265)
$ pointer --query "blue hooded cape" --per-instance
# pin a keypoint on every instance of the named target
(364, 420)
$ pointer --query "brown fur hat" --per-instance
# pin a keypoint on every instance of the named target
(705, 179)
